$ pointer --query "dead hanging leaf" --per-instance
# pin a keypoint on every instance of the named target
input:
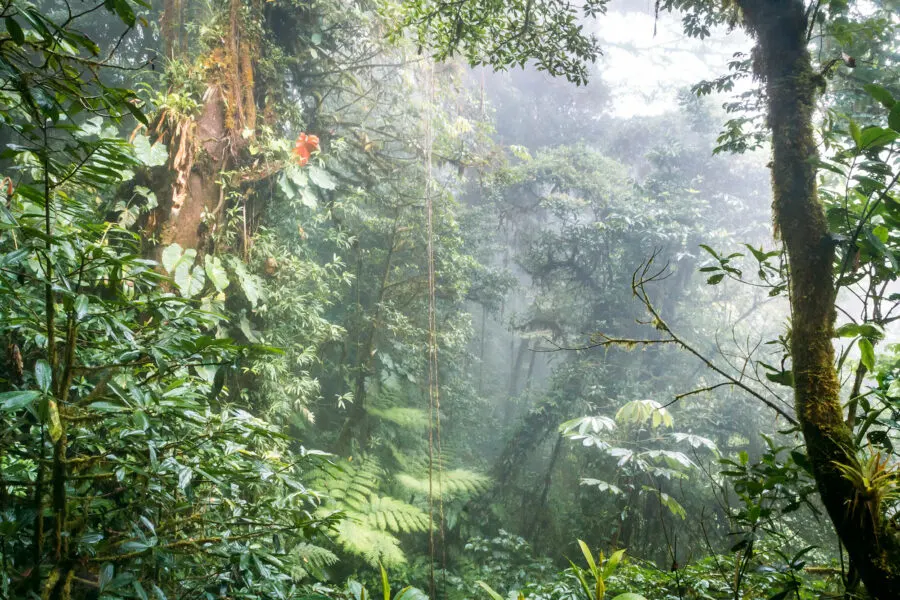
(271, 266)
(54, 424)
(15, 357)
(135, 132)
(182, 162)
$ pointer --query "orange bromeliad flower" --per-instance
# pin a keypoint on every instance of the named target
(305, 146)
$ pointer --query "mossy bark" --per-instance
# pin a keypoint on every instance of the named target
(782, 62)
(217, 136)
(183, 220)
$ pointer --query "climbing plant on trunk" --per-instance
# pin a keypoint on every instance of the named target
(782, 61)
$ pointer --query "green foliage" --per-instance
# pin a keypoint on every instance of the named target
(640, 470)
(356, 590)
(374, 546)
(123, 452)
(644, 412)
(450, 484)
(508, 35)
(407, 418)
(149, 427)
(598, 570)
(125, 382)
(591, 582)
(445, 481)
(370, 520)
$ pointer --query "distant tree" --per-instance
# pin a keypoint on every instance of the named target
(791, 85)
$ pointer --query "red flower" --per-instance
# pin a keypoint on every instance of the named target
(305, 146)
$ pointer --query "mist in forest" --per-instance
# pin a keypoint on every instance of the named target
(452, 300)
(597, 164)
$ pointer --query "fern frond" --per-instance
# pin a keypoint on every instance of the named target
(408, 418)
(419, 461)
(315, 556)
(388, 514)
(451, 484)
(349, 482)
(373, 545)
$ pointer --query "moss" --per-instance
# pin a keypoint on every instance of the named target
(782, 62)
(248, 85)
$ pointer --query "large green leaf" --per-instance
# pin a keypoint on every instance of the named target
(43, 374)
(866, 353)
(411, 593)
(876, 137)
(250, 284)
(216, 272)
(170, 256)
(10, 401)
(873, 331)
(612, 563)
(490, 591)
(54, 424)
(15, 31)
(154, 155)
(880, 94)
(123, 10)
(894, 117)
(189, 278)
(321, 178)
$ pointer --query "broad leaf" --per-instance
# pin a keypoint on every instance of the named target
(43, 374)
(10, 401)
(170, 257)
(321, 178)
(866, 353)
(216, 272)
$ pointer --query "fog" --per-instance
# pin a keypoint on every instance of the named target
(457, 300)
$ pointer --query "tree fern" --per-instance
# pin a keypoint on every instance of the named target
(408, 418)
(348, 483)
(371, 518)
(451, 484)
(388, 514)
(390, 404)
(315, 556)
(372, 545)
(312, 559)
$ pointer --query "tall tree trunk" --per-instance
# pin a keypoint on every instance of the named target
(170, 27)
(517, 369)
(540, 513)
(529, 375)
(197, 190)
(481, 353)
(200, 149)
(782, 61)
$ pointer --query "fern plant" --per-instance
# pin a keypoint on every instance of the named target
(367, 494)
(371, 519)
(314, 559)
(445, 481)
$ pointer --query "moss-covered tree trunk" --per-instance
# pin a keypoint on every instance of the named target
(782, 62)
(202, 148)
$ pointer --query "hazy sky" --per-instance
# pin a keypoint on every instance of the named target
(645, 71)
